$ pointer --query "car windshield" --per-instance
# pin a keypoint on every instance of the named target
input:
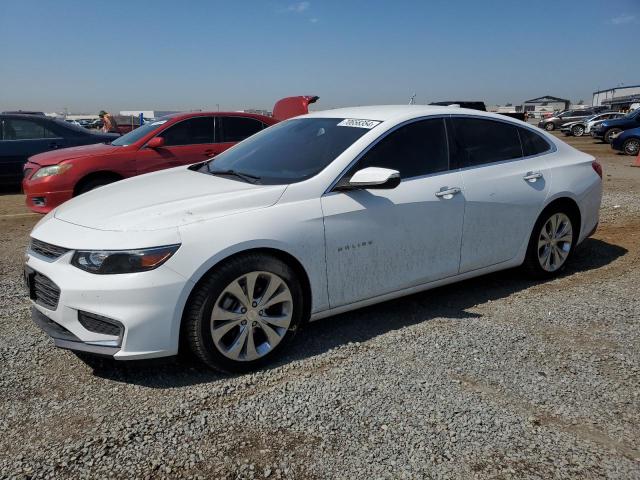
(290, 151)
(134, 135)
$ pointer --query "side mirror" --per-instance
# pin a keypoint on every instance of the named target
(374, 178)
(156, 142)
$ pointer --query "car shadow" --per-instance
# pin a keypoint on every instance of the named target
(450, 302)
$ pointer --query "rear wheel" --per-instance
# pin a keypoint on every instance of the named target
(609, 133)
(631, 146)
(551, 243)
(244, 313)
(577, 130)
(549, 126)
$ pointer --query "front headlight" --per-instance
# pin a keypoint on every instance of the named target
(51, 170)
(122, 261)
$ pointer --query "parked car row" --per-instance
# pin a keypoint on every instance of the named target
(584, 126)
(557, 120)
(179, 139)
(23, 135)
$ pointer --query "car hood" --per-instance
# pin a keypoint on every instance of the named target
(165, 199)
(56, 156)
(570, 124)
(615, 122)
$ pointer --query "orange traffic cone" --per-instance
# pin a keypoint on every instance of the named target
(637, 162)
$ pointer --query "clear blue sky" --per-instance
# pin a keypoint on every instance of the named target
(115, 54)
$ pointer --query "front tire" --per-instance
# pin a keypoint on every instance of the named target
(631, 146)
(551, 244)
(549, 127)
(244, 313)
(577, 130)
(95, 183)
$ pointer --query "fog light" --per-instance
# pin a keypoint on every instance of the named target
(39, 201)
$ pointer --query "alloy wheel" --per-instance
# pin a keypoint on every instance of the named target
(554, 242)
(549, 126)
(251, 316)
(632, 146)
(578, 130)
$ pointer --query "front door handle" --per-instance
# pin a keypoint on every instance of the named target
(53, 145)
(210, 153)
(532, 176)
(448, 193)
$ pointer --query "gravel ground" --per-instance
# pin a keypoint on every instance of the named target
(497, 377)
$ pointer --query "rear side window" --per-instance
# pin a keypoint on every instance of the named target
(479, 141)
(419, 148)
(236, 129)
(532, 143)
(193, 131)
(18, 129)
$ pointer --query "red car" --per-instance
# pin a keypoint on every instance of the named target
(52, 178)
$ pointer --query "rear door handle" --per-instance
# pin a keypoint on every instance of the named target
(53, 145)
(448, 193)
(210, 153)
(532, 176)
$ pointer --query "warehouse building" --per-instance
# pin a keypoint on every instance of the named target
(618, 98)
(547, 103)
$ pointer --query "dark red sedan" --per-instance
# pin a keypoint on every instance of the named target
(181, 139)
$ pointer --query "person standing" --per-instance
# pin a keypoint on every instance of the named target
(109, 124)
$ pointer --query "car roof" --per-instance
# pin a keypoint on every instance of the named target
(183, 115)
(401, 112)
(26, 116)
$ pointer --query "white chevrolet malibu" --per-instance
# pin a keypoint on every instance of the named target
(314, 216)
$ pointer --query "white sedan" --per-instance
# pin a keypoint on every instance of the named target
(317, 215)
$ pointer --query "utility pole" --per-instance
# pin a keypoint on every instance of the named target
(412, 99)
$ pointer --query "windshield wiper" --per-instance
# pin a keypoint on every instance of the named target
(247, 177)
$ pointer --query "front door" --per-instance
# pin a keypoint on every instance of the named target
(380, 241)
(186, 142)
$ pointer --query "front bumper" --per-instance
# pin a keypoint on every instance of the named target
(147, 305)
(63, 338)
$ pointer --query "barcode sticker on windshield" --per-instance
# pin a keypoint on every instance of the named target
(358, 123)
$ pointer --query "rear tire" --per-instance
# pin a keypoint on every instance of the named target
(244, 313)
(551, 244)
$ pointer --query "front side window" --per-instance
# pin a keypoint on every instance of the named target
(419, 148)
(532, 143)
(479, 141)
(192, 131)
(134, 135)
(289, 151)
(19, 129)
(236, 129)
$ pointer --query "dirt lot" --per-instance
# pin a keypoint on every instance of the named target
(497, 377)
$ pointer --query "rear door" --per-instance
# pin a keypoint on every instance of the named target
(186, 142)
(20, 138)
(505, 180)
(380, 241)
(234, 129)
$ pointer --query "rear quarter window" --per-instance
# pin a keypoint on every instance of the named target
(532, 143)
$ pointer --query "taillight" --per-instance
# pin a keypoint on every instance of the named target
(597, 167)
